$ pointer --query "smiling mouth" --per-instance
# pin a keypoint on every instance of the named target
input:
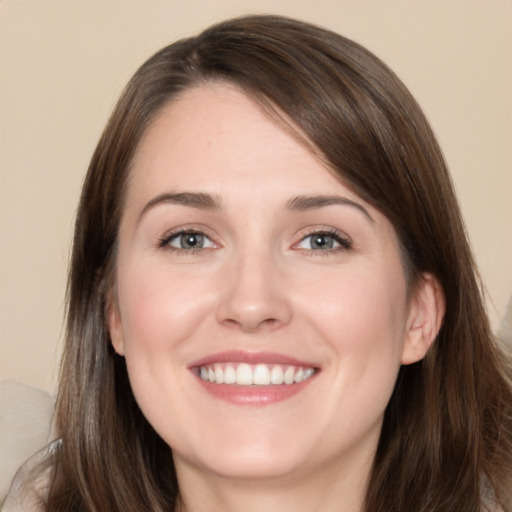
(243, 374)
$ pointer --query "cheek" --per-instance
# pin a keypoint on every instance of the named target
(160, 309)
(362, 315)
(368, 321)
(364, 296)
(160, 313)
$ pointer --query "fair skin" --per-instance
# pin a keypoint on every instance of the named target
(237, 247)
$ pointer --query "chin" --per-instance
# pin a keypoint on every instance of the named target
(253, 466)
(250, 459)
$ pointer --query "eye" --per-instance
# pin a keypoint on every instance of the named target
(324, 241)
(187, 240)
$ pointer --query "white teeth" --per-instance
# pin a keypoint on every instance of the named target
(303, 374)
(243, 374)
(299, 376)
(277, 375)
(261, 375)
(219, 374)
(229, 375)
(289, 375)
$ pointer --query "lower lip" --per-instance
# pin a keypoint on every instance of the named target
(254, 395)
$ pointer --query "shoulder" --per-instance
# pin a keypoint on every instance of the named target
(30, 485)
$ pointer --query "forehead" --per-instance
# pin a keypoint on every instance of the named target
(215, 135)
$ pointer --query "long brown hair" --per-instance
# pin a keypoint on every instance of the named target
(446, 442)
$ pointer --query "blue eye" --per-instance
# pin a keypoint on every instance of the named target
(324, 241)
(187, 240)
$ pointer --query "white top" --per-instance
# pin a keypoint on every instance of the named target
(29, 488)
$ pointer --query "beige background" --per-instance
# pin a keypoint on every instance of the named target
(63, 64)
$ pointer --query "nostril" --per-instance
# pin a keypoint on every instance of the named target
(252, 326)
(251, 304)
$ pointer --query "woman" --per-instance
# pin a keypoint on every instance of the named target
(272, 301)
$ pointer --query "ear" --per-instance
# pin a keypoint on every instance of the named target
(426, 311)
(114, 325)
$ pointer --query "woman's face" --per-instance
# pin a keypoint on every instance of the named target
(260, 304)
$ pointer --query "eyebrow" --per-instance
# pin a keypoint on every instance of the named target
(304, 203)
(204, 201)
(191, 199)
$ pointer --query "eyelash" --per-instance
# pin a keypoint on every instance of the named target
(345, 244)
(164, 242)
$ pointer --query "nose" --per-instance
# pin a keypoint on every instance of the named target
(254, 296)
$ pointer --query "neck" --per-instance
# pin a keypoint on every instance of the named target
(335, 490)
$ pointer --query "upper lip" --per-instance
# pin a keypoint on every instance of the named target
(241, 356)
